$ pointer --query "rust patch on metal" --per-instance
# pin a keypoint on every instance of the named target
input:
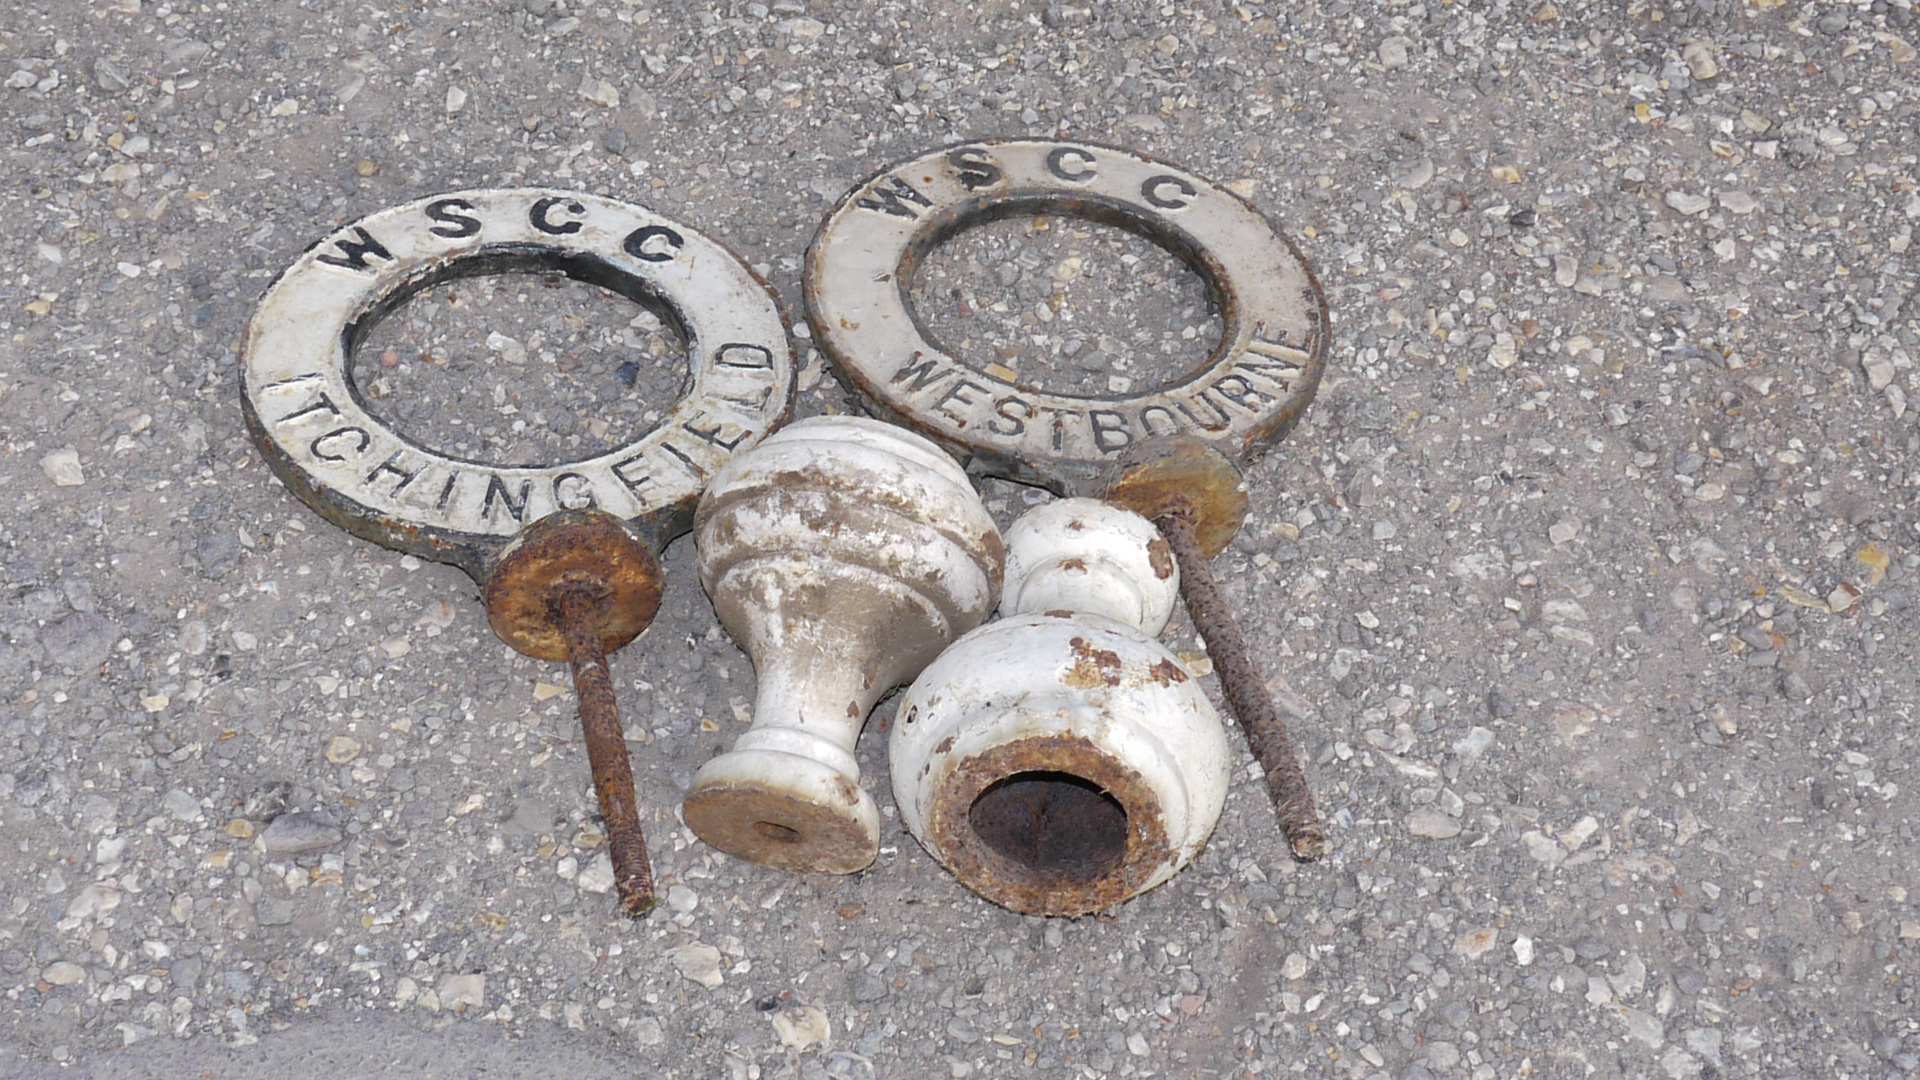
(1160, 556)
(944, 745)
(996, 549)
(1079, 565)
(572, 548)
(1167, 673)
(1183, 474)
(1093, 667)
(1048, 825)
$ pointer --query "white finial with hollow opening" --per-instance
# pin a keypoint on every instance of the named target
(1061, 760)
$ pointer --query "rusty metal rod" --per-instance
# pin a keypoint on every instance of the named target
(1246, 692)
(574, 607)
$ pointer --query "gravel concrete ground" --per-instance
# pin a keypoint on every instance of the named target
(1583, 579)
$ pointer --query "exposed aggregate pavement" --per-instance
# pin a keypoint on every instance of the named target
(1587, 579)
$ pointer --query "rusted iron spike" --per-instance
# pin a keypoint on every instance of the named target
(1198, 499)
(574, 586)
(1246, 693)
(576, 607)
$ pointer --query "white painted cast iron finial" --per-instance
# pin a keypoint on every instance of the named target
(1061, 760)
(842, 554)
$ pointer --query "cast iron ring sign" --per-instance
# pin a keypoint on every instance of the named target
(1249, 392)
(322, 440)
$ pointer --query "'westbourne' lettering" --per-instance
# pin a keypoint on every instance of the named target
(945, 388)
(1014, 425)
(957, 395)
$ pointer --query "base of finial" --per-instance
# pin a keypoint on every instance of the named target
(785, 811)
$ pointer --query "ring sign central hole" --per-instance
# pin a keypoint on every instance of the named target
(521, 369)
(1062, 305)
(1053, 826)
